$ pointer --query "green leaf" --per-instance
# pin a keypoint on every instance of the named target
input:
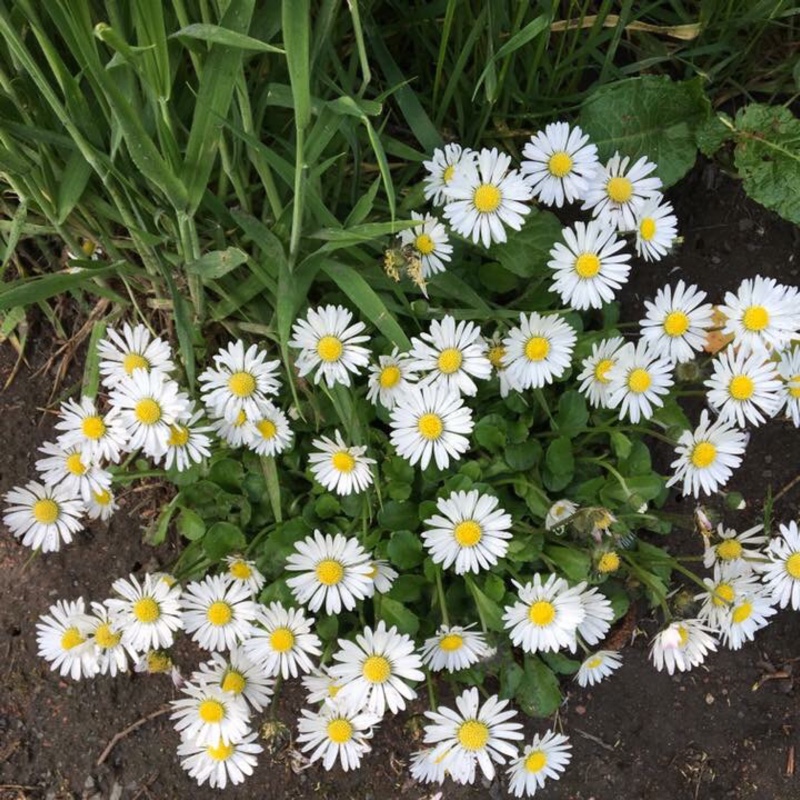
(217, 263)
(394, 613)
(523, 456)
(228, 474)
(560, 464)
(405, 550)
(223, 538)
(620, 444)
(73, 183)
(527, 252)
(490, 611)
(490, 433)
(296, 24)
(408, 588)
(560, 663)
(573, 563)
(190, 524)
(494, 587)
(214, 34)
(638, 460)
(327, 627)
(649, 116)
(539, 693)
(327, 506)
(397, 516)
(572, 413)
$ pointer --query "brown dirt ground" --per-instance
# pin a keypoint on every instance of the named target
(718, 732)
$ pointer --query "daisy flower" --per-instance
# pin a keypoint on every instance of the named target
(598, 615)
(484, 195)
(430, 240)
(149, 405)
(219, 614)
(451, 354)
(340, 468)
(101, 505)
(70, 469)
(454, 648)
(589, 268)
(111, 653)
(707, 456)
(334, 570)
(239, 380)
(329, 344)
(730, 580)
(148, 613)
(656, 228)
(676, 322)
(495, 351)
(782, 574)
(209, 715)
(558, 162)
(616, 193)
(733, 547)
(239, 433)
(390, 379)
(284, 642)
(374, 669)
(547, 615)
(431, 423)
(789, 371)
(749, 613)
(473, 733)
(608, 562)
(545, 757)
(682, 645)
(425, 770)
(244, 573)
(470, 531)
(63, 640)
(238, 675)
(595, 383)
(441, 169)
(98, 437)
(320, 686)
(558, 513)
(597, 666)
(638, 380)
(382, 576)
(135, 348)
(338, 731)
(221, 762)
(188, 443)
(43, 517)
(762, 315)
(539, 351)
(271, 433)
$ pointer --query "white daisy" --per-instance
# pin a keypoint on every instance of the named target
(112, 654)
(733, 547)
(431, 423)
(730, 580)
(749, 613)
(67, 467)
(338, 731)
(243, 572)
(441, 169)
(656, 228)
(597, 666)
(451, 354)
(382, 576)
(495, 351)
(100, 438)
(589, 268)
(148, 613)
(43, 517)
(320, 686)
(101, 505)
(149, 404)
(221, 762)
(430, 240)
(239, 433)
(473, 733)
(209, 715)
(135, 348)
(594, 377)
(782, 574)
(238, 675)
(63, 639)
(598, 615)
(425, 770)
(334, 570)
(219, 614)
(744, 387)
(558, 513)
(539, 351)
(638, 380)
(272, 435)
(558, 162)
(545, 757)
(239, 380)
(470, 531)
(340, 468)
(454, 648)
(707, 456)
(682, 645)
(188, 443)
(762, 315)
(616, 193)
(547, 615)
(389, 379)
(484, 195)
(330, 345)
(374, 669)
(283, 643)
(789, 371)
(676, 322)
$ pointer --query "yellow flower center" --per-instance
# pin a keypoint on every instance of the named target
(536, 761)
(723, 594)
(647, 228)
(676, 323)
(741, 387)
(267, 429)
(742, 612)
(793, 565)
(376, 669)
(542, 613)
(147, 411)
(240, 420)
(487, 198)
(340, 731)
(424, 244)
(448, 173)
(594, 662)
(449, 360)
(755, 318)
(102, 498)
(93, 427)
(559, 164)
(389, 377)
(619, 189)
(496, 355)
(242, 384)
(537, 348)
(134, 361)
(234, 682)
(729, 550)
(45, 511)
(240, 570)
(146, 610)
(609, 562)
(703, 455)
(104, 637)
(451, 642)
(158, 662)
(473, 735)
(430, 426)
(601, 370)
(467, 533)
(587, 265)
(88, 247)
(794, 385)
(333, 690)
(330, 348)
(74, 464)
(178, 436)
(329, 572)
(219, 613)
(639, 381)
(343, 461)
(211, 711)
(222, 752)
(683, 633)
(71, 638)
(282, 640)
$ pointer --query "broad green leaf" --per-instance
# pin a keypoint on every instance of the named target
(327, 506)
(523, 456)
(539, 693)
(223, 538)
(408, 588)
(561, 664)
(228, 474)
(490, 611)
(560, 462)
(405, 550)
(572, 413)
(72, 185)
(394, 613)
(215, 34)
(574, 563)
(490, 433)
(190, 524)
(527, 252)
(217, 263)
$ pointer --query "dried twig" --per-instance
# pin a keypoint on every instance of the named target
(790, 762)
(118, 737)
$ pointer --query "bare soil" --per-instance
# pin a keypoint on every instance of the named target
(727, 730)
